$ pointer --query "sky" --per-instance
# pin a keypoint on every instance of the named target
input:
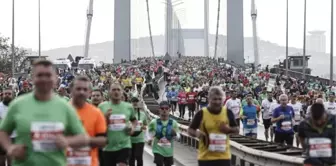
(63, 22)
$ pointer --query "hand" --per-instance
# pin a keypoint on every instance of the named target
(129, 130)
(61, 142)
(202, 136)
(173, 133)
(17, 152)
(144, 128)
(149, 142)
(282, 117)
(224, 128)
(108, 113)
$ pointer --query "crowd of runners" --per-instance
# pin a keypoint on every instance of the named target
(96, 117)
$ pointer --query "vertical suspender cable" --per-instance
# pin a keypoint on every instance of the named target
(216, 42)
(150, 28)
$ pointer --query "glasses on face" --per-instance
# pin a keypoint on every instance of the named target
(8, 94)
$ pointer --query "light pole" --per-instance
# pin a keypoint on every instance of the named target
(39, 27)
(13, 35)
(206, 28)
(304, 39)
(287, 38)
(332, 44)
(217, 27)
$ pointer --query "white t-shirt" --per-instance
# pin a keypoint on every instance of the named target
(330, 107)
(267, 112)
(234, 105)
(297, 107)
(3, 113)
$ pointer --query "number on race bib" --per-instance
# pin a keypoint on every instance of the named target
(80, 157)
(43, 135)
(164, 142)
(203, 99)
(139, 126)
(217, 142)
(250, 122)
(117, 122)
(320, 147)
(286, 125)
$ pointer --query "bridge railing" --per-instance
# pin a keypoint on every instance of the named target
(299, 75)
(241, 155)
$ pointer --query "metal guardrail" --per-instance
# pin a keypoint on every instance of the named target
(299, 75)
(241, 155)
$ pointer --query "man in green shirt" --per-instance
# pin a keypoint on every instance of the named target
(44, 123)
(121, 124)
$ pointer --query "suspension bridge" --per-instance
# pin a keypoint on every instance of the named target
(185, 152)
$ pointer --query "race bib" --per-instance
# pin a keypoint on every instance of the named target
(117, 122)
(184, 100)
(203, 99)
(320, 147)
(80, 157)
(250, 122)
(286, 125)
(43, 135)
(217, 142)
(191, 97)
(164, 142)
(139, 126)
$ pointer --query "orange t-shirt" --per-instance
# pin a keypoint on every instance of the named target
(94, 123)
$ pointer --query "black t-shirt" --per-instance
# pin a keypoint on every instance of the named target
(196, 122)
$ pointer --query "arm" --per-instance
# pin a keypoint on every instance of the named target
(99, 140)
(233, 125)
(302, 134)
(275, 117)
(75, 133)
(195, 124)
(7, 126)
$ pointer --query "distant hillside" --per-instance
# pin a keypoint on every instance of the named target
(270, 53)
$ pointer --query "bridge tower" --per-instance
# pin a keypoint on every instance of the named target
(122, 30)
(235, 31)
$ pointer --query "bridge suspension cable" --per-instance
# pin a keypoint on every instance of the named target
(150, 29)
(218, 16)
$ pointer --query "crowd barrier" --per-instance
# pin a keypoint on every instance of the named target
(241, 155)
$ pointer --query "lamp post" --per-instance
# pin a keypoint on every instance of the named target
(13, 35)
(39, 27)
(304, 39)
(332, 44)
(287, 38)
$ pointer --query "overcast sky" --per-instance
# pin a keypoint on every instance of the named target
(63, 22)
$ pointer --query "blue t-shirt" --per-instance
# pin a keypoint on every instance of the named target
(285, 125)
(250, 111)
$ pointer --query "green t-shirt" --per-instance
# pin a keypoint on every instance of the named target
(120, 118)
(34, 121)
(142, 121)
(166, 151)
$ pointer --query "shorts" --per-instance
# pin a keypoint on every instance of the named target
(115, 157)
(267, 123)
(296, 128)
(214, 162)
(161, 160)
(250, 131)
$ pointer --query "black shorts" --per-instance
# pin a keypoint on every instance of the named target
(161, 160)
(115, 157)
(267, 123)
(214, 162)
